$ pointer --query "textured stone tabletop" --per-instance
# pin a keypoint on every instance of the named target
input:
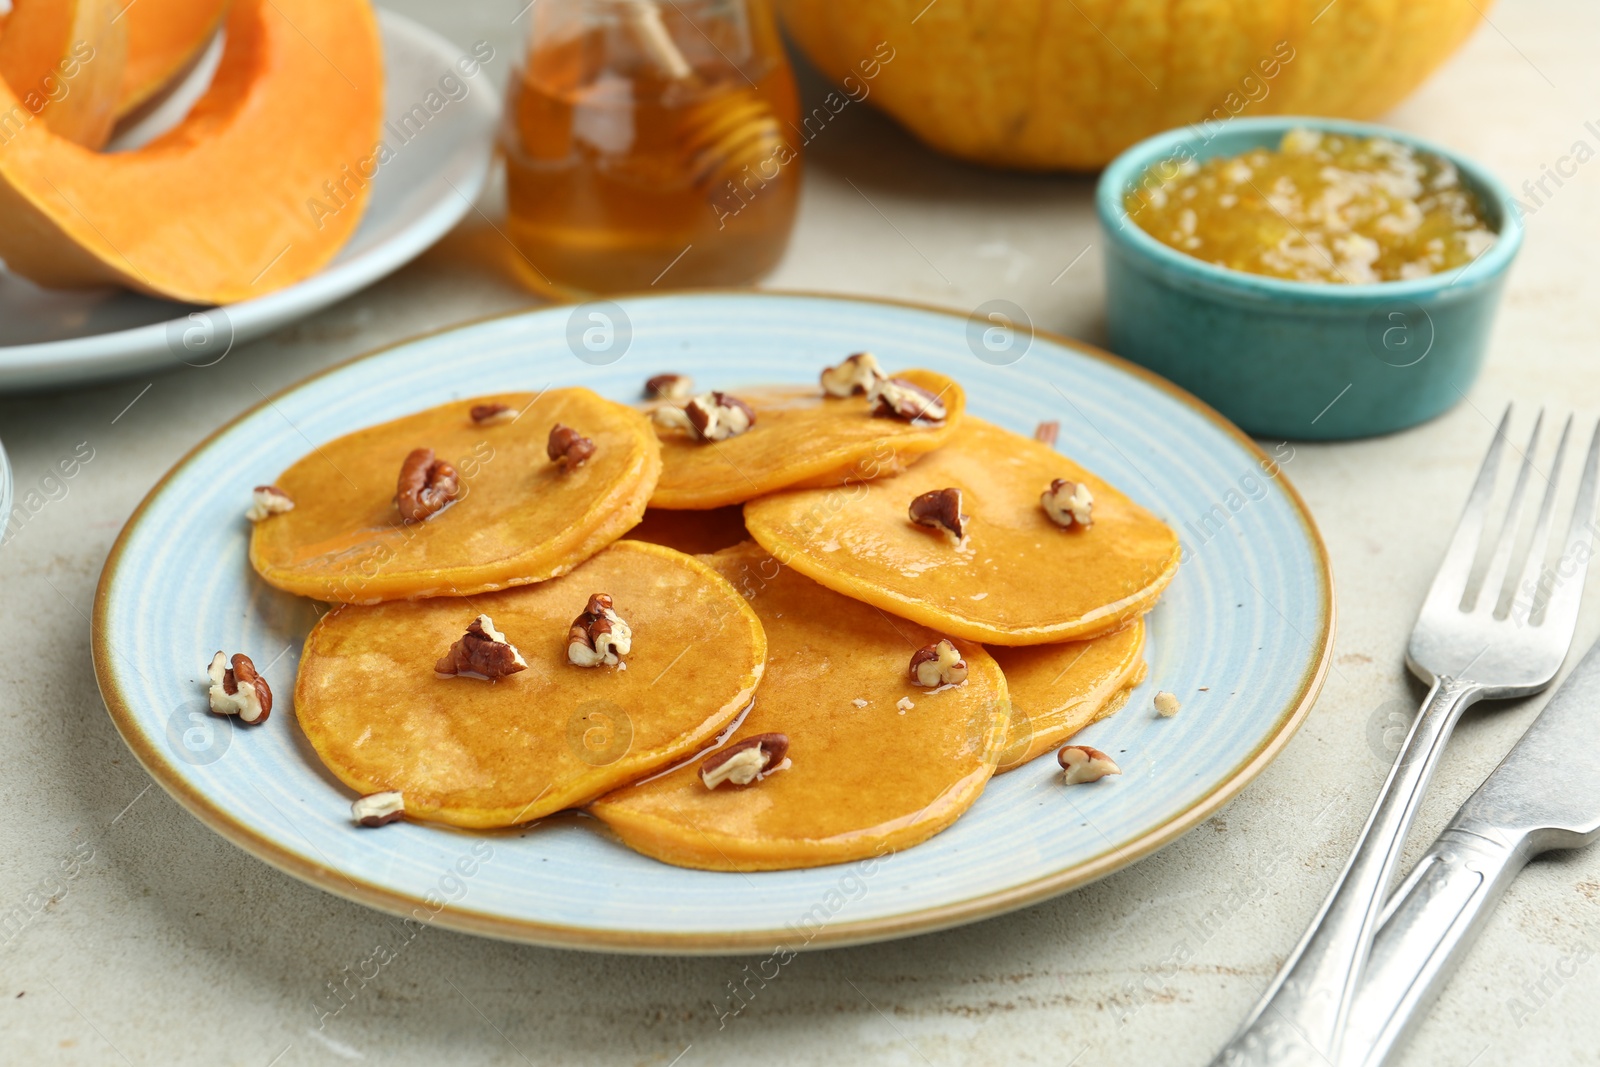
(129, 933)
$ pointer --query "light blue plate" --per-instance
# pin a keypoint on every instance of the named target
(1250, 616)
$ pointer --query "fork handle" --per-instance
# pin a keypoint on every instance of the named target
(1301, 1017)
(1428, 924)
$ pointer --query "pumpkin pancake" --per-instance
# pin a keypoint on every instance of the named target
(694, 532)
(864, 776)
(1057, 690)
(519, 517)
(477, 753)
(1015, 577)
(800, 437)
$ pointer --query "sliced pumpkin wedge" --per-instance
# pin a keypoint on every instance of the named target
(1057, 690)
(800, 437)
(519, 517)
(63, 61)
(164, 38)
(478, 753)
(258, 187)
(875, 763)
(1014, 577)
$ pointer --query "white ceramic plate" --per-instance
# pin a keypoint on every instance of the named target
(68, 337)
(1250, 616)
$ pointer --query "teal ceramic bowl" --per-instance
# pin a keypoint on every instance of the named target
(1291, 359)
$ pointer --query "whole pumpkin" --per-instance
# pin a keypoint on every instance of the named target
(1067, 84)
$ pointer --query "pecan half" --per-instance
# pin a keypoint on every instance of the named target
(482, 652)
(567, 447)
(856, 375)
(941, 510)
(711, 416)
(1068, 504)
(266, 501)
(238, 690)
(598, 635)
(747, 761)
(669, 387)
(426, 485)
(378, 809)
(493, 414)
(897, 398)
(1080, 764)
(938, 664)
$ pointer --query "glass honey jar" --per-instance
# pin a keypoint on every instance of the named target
(651, 144)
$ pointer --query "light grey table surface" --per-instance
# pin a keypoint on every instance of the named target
(143, 938)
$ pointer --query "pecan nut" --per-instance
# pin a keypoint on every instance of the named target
(378, 809)
(266, 501)
(747, 761)
(598, 635)
(669, 386)
(855, 376)
(938, 664)
(481, 652)
(426, 485)
(1068, 504)
(238, 690)
(897, 398)
(567, 447)
(1080, 764)
(494, 414)
(710, 416)
(1047, 432)
(941, 510)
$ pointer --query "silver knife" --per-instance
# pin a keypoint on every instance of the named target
(1544, 795)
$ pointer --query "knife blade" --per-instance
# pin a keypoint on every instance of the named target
(1544, 795)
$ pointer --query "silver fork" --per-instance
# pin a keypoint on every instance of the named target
(1468, 648)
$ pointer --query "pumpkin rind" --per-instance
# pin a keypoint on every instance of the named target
(220, 208)
(1039, 85)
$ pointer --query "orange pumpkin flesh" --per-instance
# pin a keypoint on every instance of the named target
(218, 209)
(164, 39)
(63, 60)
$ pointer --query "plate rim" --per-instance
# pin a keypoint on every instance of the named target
(114, 354)
(557, 935)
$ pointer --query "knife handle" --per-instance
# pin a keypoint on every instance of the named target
(1431, 919)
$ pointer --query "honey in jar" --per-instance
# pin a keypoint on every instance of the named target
(1322, 207)
(651, 144)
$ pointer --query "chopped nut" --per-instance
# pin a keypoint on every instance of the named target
(905, 704)
(941, 510)
(239, 690)
(748, 761)
(856, 375)
(711, 416)
(482, 652)
(1047, 432)
(899, 399)
(426, 485)
(1167, 704)
(268, 500)
(669, 387)
(938, 664)
(598, 635)
(379, 809)
(859, 702)
(1080, 763)
(1068, 504)
(567, 447)
(494, 414)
